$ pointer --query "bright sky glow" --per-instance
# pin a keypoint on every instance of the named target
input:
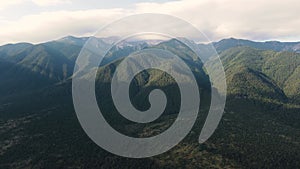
(43, 20)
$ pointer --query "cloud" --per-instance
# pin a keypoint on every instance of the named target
(52, 25)
(5, 4)
(50, 2)
(251, 19)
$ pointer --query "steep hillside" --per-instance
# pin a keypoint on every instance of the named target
(14, 52)
(278, 70)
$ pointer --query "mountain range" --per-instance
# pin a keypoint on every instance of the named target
(260, 128)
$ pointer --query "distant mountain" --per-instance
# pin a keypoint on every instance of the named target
(71, 40)
(151, 79)
(224, 44)
(252, 71)
(52, 62)
(269, 45)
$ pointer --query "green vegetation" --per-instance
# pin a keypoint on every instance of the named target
(260, 127)
(267, 74)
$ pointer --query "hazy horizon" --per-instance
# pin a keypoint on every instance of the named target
(226, 38)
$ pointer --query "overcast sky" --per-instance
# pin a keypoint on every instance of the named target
(43, 20)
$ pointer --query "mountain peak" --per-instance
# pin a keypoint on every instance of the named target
(73, 40)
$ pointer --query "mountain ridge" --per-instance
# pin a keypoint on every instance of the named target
(259, 127)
